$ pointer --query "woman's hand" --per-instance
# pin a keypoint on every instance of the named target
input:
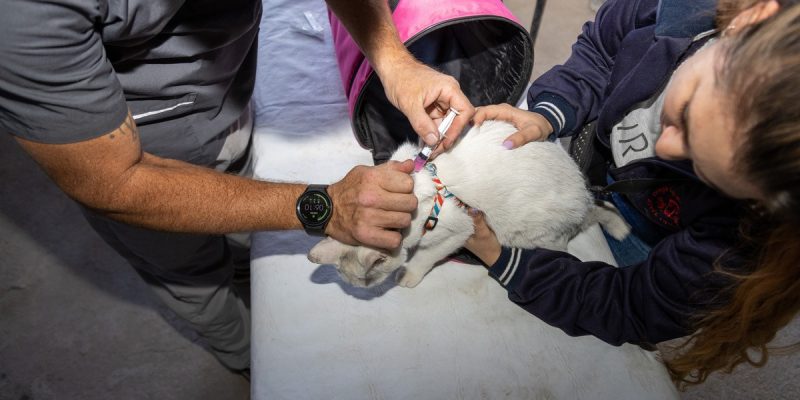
(530, 126)
(483, 243)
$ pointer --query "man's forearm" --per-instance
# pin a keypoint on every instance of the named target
(370, 24)
(112, 175)
(176, 196)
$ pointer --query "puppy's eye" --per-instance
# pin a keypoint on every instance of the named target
(377, 262)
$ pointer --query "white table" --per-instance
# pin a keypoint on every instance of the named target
(455, 336)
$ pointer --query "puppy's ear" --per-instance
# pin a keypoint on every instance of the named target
(372, 258)
(327, 251)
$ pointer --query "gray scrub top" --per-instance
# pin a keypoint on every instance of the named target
(70, 70)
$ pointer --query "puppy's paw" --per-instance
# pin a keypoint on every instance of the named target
(410, 279)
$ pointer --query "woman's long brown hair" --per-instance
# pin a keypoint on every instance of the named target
(760, 72)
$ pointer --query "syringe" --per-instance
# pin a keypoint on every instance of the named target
(426, 151)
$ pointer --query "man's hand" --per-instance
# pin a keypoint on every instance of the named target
(421, 93)
(371, 205)
(530, 126)
(424, 96)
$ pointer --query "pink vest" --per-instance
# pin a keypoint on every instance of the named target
(479, 42)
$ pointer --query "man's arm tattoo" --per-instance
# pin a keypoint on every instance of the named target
(128, 128)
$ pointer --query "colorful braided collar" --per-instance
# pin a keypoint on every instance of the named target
(438, 199)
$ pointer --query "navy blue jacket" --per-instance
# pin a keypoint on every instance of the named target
(623, 58)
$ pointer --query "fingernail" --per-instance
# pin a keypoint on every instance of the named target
(473, 211)
(431, 139)
(508, 144)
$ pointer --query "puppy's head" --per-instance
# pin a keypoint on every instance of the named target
(358, 265)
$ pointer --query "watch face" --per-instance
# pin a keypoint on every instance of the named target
(314, 208)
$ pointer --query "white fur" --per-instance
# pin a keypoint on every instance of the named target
(532, 196)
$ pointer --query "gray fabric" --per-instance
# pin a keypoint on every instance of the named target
(235, 155)
(634, 137)
(71, 70)
(192, 275)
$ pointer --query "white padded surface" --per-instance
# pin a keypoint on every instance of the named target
(455, 336)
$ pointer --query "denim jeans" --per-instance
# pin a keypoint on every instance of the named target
(633, 249)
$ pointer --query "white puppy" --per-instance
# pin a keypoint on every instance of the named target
(532, 196)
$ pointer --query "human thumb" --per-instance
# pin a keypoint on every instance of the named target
(424, 126)
(406, 166)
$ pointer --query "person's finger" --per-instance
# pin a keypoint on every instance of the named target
(397, 202)
(453, 132)
(436, 112)
(515, 140)
(530, 133)
(478, 220)
(380, 238)
(386, 200)
(406, 166)
(522, 137)
(503, 112)
(519, 138)
(439, 150)
(423, 125)
(480, 115)
(391, 219)
(460, 103)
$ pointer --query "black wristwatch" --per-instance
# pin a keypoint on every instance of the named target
(314, 209)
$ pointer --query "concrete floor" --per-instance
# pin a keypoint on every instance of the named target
(77, 323)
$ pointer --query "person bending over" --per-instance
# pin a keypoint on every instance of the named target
(139, 112)
(709, 120)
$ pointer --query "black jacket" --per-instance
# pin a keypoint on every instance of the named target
(625, 57)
